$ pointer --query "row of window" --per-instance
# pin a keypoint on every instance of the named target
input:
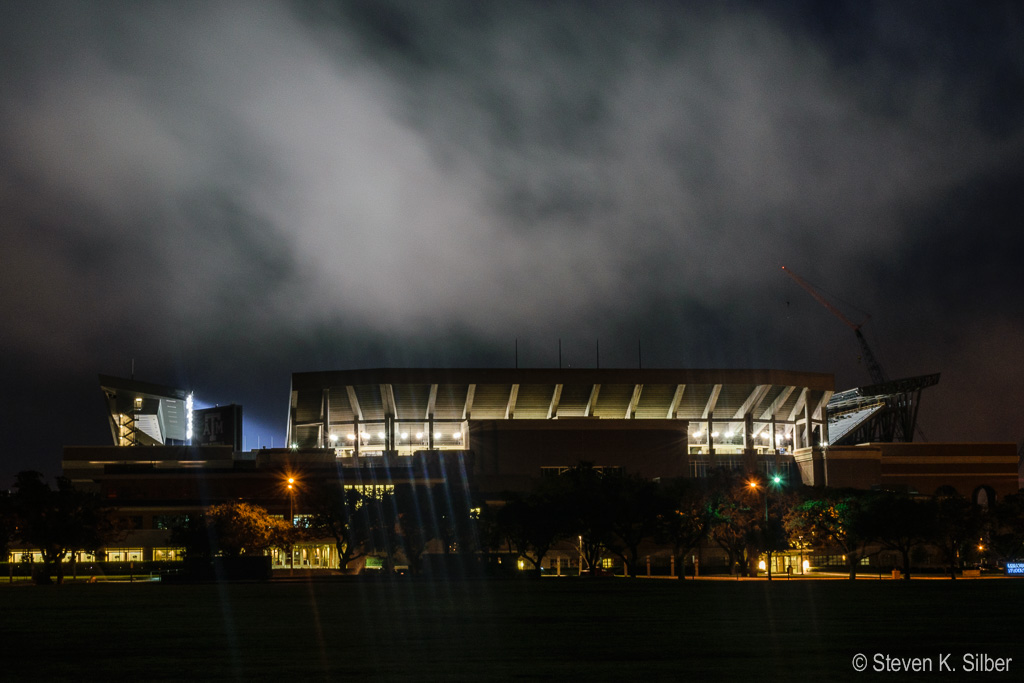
(562, 469)
(700, 468)
(108, 555)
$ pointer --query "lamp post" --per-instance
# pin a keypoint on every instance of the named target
(581, 554)
(801, 539)
(291, 522)
(776, 480)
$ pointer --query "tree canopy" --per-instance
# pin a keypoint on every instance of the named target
(233, 529)
(58, 521)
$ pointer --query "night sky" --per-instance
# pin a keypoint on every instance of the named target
(226, 193)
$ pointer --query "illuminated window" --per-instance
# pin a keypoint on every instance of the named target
(168, 554)
(374, 491)
(124, 555)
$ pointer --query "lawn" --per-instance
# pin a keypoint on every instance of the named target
(569, 629)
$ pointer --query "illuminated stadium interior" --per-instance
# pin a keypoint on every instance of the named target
(400, 411)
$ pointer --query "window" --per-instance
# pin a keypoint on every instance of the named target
(168, 522)
(730, 462)
(168, 554)
(548, 472)
(562, 469)
(698, 468)
(770, 469)
(375, 491)
(124, 555)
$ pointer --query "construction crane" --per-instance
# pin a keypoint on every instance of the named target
(874, 367)
(903, 396)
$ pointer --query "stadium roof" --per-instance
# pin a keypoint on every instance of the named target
(321, 400)
(883, 412)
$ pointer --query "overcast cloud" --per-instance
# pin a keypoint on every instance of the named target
(224, 190)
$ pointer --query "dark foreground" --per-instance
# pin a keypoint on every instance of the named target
(567, 629)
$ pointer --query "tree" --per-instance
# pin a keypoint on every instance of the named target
(454, 522)
(59, 521)
(900, 523)
(233, 529)
(341, 514)
(636, 506)
(1004, 523)
(400, 522)
(835, 518)
(686, 518)
(958, 525)
(8, 524)
(769, 533)
(736, 513)
(583, 493)
(531, 524)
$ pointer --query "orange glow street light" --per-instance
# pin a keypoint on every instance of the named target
(291, 522)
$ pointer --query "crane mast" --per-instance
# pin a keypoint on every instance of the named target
(874, 367)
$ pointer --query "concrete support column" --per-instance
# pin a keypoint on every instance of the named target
(748, 433)
(711, 441)
(808, 427)
(325, 431)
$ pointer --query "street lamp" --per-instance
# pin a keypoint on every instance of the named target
(801, 540)
(775, 480)
(291, 522)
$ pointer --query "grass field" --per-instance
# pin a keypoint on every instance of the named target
(569, 629)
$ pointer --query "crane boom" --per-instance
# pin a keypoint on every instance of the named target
(820, 298)
(874, 367)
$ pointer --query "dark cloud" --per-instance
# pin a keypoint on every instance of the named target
(230, 192)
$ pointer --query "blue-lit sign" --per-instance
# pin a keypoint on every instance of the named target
(1015, 568)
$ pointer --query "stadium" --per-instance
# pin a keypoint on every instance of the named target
(491, 431)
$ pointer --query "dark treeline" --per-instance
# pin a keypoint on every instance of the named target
(748, 516)
(54, 521)
(598, 512)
